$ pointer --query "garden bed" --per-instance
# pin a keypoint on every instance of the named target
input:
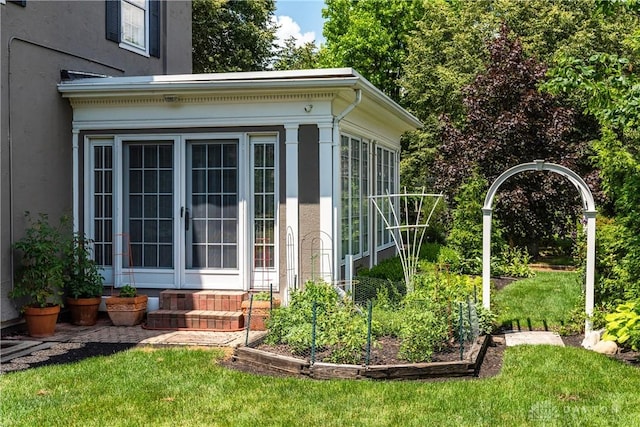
(383, 364)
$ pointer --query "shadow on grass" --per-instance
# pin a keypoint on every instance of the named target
(526, 325)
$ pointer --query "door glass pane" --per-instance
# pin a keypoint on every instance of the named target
(213, 201)
(264, 208)
(149, 204)
(103, 206)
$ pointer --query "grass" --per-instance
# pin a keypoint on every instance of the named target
(538, 385)
(541, 302)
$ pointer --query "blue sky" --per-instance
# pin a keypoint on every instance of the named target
(301, 19)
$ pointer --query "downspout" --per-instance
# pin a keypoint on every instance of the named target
(9, 129)
(75, 185)
(336, 181)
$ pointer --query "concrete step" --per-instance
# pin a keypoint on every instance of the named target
(202, 300)
(196, 320)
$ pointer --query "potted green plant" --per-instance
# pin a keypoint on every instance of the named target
(82, 281)
(128, 308)
(260, 305)
(38, 280)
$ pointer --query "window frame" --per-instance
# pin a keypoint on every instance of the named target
(114, 26)
(347, 197)
(146, 22)
(386, 173)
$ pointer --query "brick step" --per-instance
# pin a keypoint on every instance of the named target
(202, 300)
(195, 319)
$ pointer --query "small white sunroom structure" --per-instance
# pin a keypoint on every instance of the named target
(218, 181)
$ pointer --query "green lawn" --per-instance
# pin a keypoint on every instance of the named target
(541, 302)
(539, 385)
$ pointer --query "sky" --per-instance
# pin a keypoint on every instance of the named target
(301, 19)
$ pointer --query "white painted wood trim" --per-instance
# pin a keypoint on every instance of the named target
(325, 168)
(292, 202)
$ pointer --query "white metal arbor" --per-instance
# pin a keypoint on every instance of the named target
(589, 213)
(407, 237)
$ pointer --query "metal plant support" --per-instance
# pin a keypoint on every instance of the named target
(407, 237)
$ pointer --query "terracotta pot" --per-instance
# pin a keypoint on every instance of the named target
(260, 311)
(41, 322)
(84, 311)
(126, 311)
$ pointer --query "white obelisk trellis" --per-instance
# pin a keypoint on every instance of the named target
(589, 212)
(407, 237)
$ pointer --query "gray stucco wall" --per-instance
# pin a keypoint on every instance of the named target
(309, 197)
(37, 42)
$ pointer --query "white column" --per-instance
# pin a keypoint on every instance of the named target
(75, 186)
(292, 220)
(591, 267)
(326, 194)
(486, 258)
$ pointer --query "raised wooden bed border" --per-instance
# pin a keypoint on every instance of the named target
(292, 365)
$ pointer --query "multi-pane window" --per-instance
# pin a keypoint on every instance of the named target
(214, 203)
(149, 204)
(102, 160)
(264, 193)
(385, 185)
(355, 206)
(134, 23)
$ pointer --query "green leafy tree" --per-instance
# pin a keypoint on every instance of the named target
(292, 57)
(508, 122)
(448, 49)
(607, 85)
(370, 36)
(232, 35)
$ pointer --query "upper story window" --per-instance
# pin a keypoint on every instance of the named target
(135, 25)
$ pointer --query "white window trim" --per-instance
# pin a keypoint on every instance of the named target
(364, 194)
(395, 181)
(130, 46)
(272, 272)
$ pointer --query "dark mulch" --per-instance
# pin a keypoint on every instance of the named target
(90, 349)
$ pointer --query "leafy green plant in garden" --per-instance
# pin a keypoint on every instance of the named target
(514, 262)
(623, 325)
(39, 275)
(424, 328)
(339, 327)
(82, 278)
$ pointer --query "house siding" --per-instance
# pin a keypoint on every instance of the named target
(37, 42)
(309, 196)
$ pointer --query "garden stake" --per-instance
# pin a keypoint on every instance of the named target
(246, 342)
(270, 297)
(475, 294)
(370, 310)
(461, 329)
(313, 334)
(470, 324)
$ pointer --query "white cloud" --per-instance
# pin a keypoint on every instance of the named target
(287, 28)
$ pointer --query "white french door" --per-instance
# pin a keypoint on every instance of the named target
(184, 211)
(212, 215)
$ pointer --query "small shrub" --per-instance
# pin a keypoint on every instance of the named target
(486, 319)
(338, 325)
(423, 331)
(390, 269)
(514, 262)
(431, 251)
(623, 325)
